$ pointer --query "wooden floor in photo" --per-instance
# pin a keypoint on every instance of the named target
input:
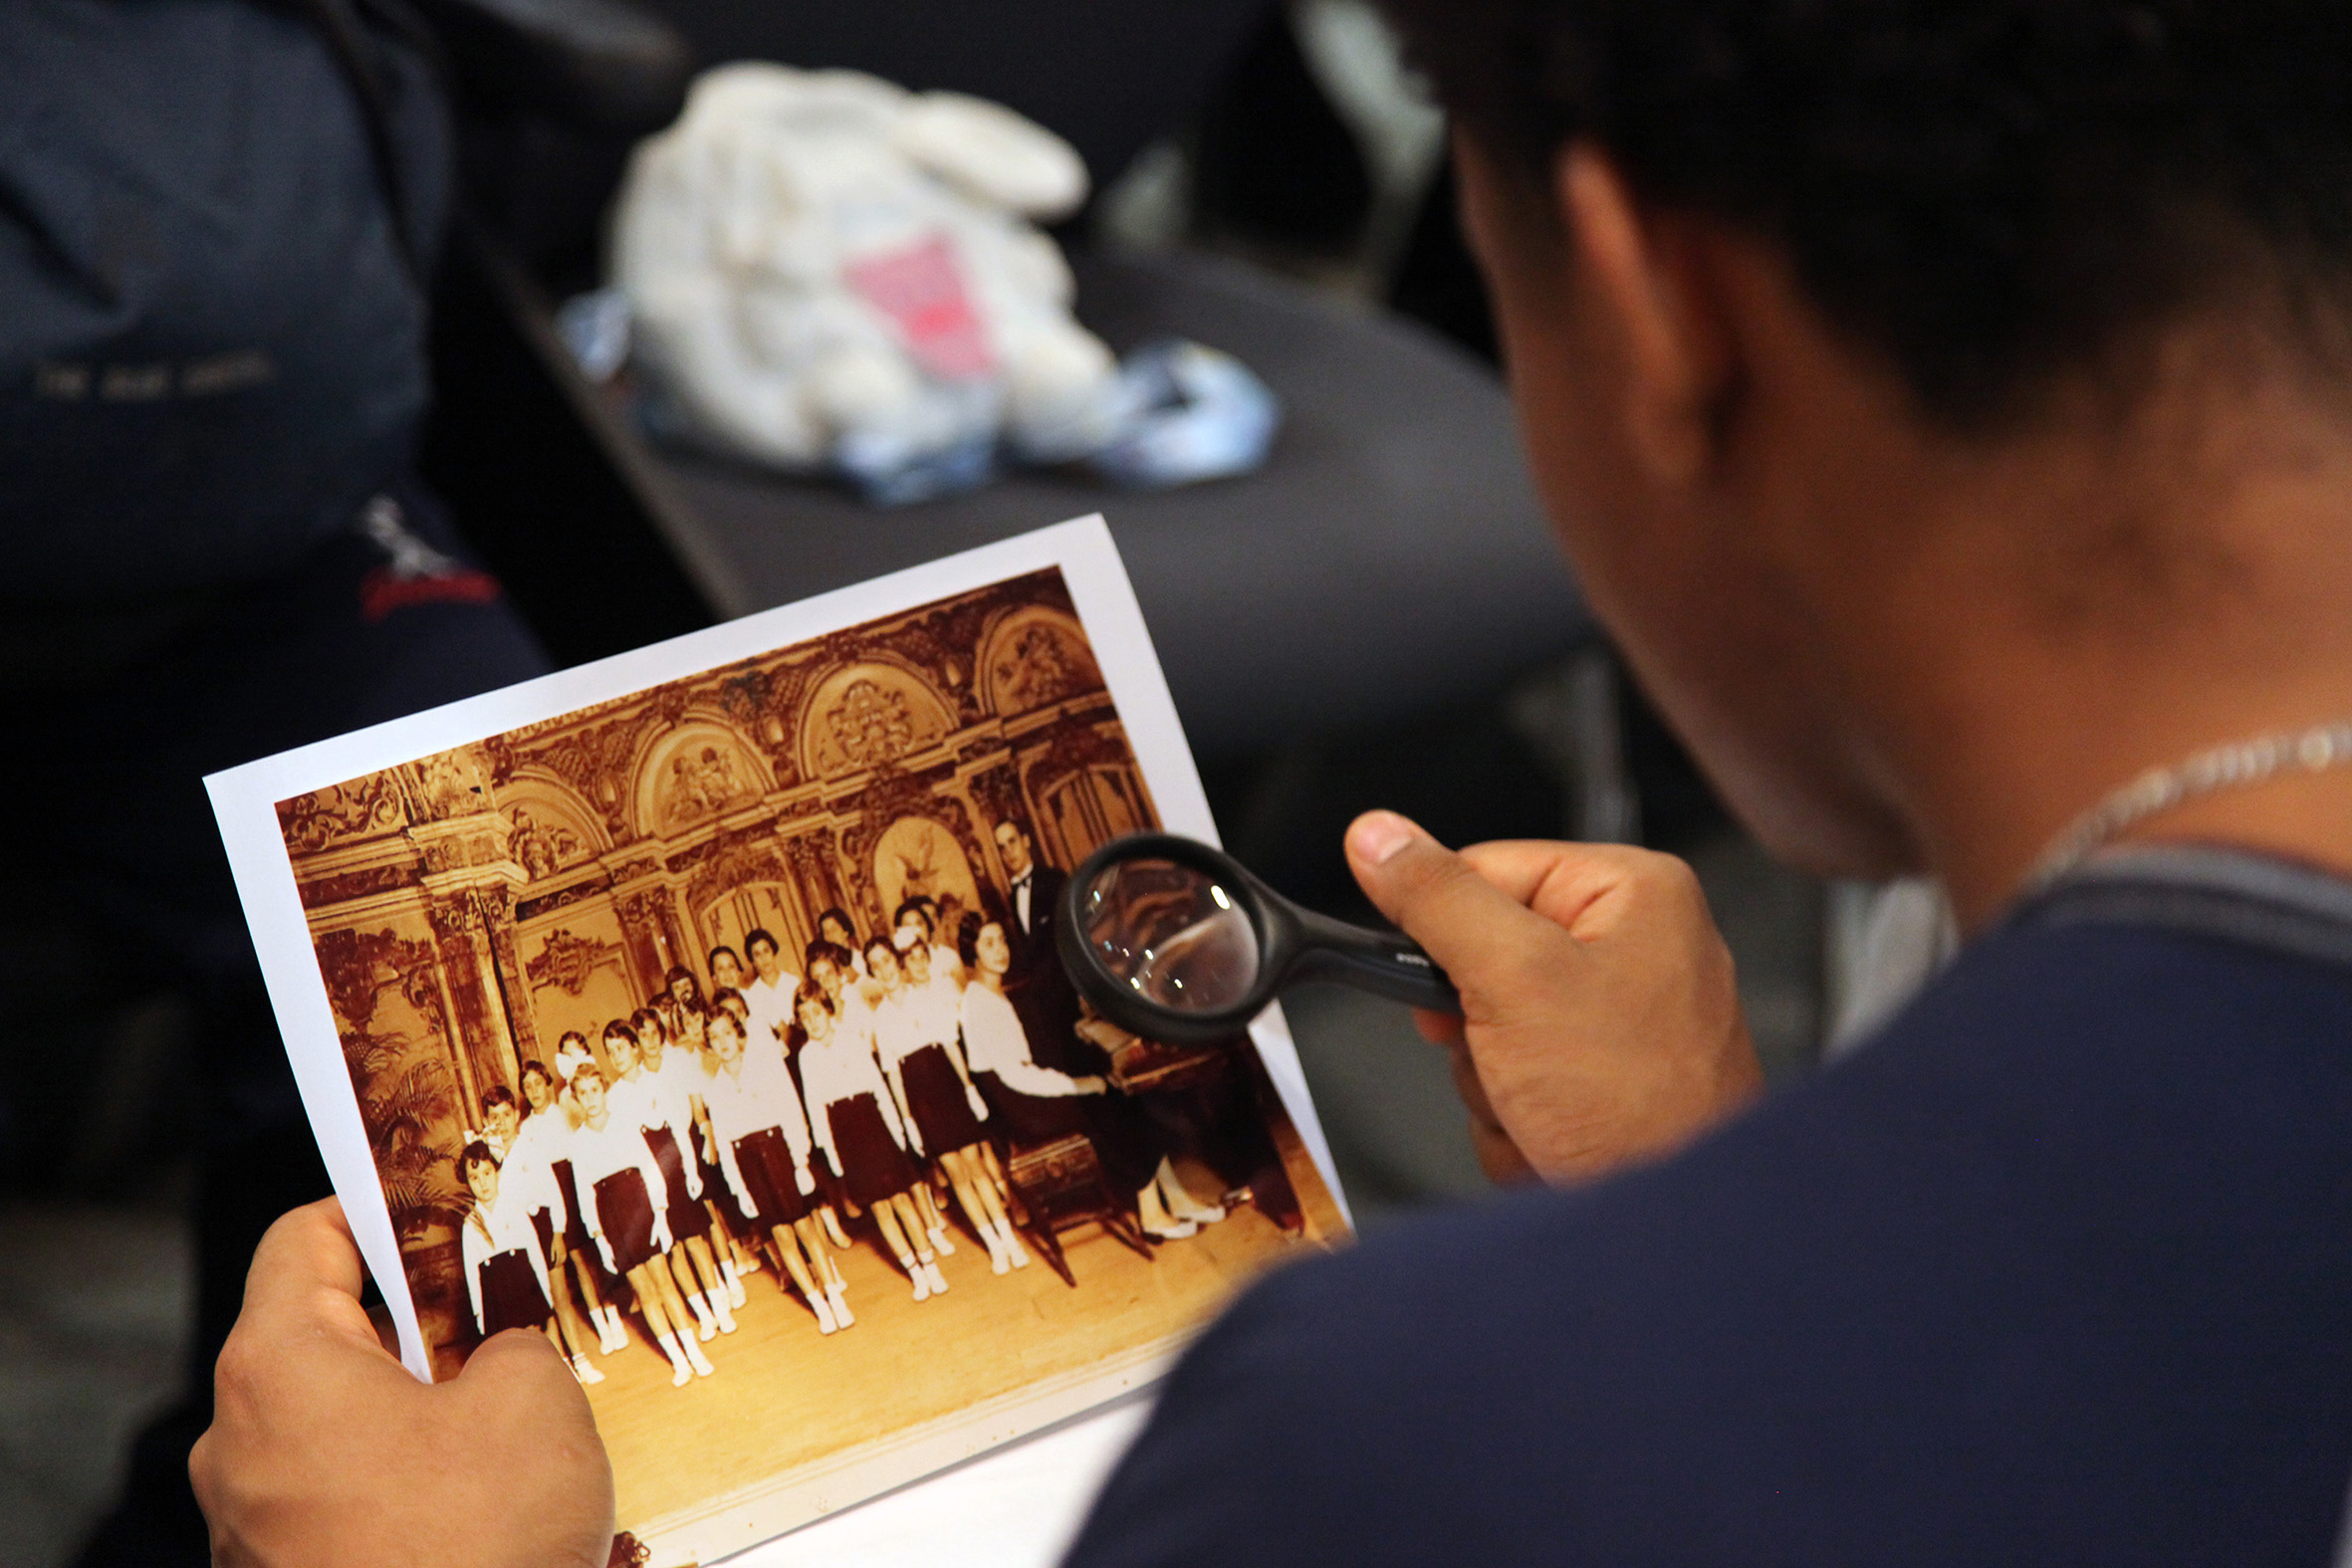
(784, 1396)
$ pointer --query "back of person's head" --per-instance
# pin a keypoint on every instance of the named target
(1986, 192)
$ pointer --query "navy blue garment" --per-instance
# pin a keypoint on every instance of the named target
(2058, 1269)
(212, 336)
(110, 821)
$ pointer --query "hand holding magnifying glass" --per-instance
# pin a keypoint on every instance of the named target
(1176, 941)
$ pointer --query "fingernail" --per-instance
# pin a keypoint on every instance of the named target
(1378, 836)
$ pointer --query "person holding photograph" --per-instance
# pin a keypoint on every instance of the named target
(916, 1039)
(537, 1156)
(761, 1129)
(855, 1119)
(508, 1277)
(660, 1106)
(617, 1168)
(767, 995)
(1948, 408)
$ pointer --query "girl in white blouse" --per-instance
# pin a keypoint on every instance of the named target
(917, 1039)
(674, 1079)
(853, 1118)
(662, 1111)
(618, 1180)
(506, 1276)
(542, 1144)
(885, 983)
(762, 1133)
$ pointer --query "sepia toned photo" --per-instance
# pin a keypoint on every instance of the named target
(715, 1032)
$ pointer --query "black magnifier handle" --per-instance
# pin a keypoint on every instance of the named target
(1381, 962)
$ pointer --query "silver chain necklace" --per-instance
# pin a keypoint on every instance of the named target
(2237, 765)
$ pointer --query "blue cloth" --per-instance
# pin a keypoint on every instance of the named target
(2057, 1270)
(212, 347)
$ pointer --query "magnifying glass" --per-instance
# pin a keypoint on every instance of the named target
(1175, 940)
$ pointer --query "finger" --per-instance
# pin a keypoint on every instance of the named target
(1529, 871)
(1464, 922)
(307, 1275)
(520, 1365)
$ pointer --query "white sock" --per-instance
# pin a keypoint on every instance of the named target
(938, 1279)
(721, 1311)
(695, 1358)
(825, 1322)
(1000, 1259)
(1012, 1244)
(922, 1282)
(1180, 1202)
(681, 1371)
(840, 1297)
(584, 1371)
(939, 1241)
(702, 1314)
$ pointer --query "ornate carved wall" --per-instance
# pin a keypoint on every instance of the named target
(548, 878)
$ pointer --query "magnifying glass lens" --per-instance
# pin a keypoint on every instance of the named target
(1173, 933)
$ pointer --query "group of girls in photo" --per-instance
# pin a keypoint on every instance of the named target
(704, 1141)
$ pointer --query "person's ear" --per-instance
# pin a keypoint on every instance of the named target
(1651, 276)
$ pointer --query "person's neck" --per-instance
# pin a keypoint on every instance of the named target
(2090, 611)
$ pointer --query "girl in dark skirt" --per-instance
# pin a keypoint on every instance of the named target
(659, 1107)
(535, 1159)
(505, 1272)
(688, 1073)
(885, 983)
(854, 1119)
(762, 1131)
(1039, 1104)
(917, 1039)
(828, 970)
(617, 1179)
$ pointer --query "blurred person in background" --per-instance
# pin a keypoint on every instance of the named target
(217, 223)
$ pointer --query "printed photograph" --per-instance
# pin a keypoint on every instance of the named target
(716, 1033)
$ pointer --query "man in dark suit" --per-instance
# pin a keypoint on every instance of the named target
(1037, 985)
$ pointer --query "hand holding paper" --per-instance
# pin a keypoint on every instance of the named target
(324, 1451)
(1599, 1019)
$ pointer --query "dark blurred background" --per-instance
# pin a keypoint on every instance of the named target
(1283, 147)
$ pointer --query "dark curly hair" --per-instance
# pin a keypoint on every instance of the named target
(1988, 192)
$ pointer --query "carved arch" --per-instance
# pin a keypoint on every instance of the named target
(870, 715)
(699, 767)
(1033, 657)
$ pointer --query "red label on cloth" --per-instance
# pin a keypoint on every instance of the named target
(921, 289)
(383, 590)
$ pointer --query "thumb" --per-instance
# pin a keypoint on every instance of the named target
(1471, 927)
(518, 1376)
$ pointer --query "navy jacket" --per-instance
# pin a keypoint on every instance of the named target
(2058, 1269)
